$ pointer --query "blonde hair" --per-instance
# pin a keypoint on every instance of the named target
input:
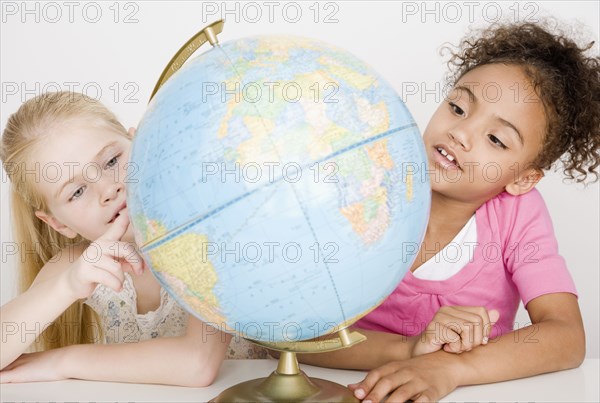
(25, 128)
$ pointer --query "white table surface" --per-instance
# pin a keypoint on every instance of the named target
(576, 385)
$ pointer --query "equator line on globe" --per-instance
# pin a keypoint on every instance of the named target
(281, 182)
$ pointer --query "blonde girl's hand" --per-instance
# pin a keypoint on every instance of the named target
(104, 261)
(456, 329)
(34, 367)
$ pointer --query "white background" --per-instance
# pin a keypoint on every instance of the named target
(116, 52)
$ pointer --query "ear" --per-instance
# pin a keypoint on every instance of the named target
(525, 182)
(55, 224)
(131, 132)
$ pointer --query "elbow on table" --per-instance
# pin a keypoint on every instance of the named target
(202, 369)
(200, 374)
(203, 378)
(199, 377)
(574, 354)
(577, 356)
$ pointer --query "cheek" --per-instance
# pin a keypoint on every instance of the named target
(495, 173)
(428, 137)
(435, 126)
(126, 171)
(93, 230)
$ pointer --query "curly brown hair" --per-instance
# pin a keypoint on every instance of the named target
(564, 77)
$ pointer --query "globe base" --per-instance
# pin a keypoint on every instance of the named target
(285, 388)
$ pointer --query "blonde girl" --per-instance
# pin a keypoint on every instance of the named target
(96, 311)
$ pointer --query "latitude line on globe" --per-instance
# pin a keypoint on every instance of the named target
(184, 227)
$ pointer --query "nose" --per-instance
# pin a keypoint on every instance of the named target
(459, 135)
(110, 191)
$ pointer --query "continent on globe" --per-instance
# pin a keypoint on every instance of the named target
(278, 180)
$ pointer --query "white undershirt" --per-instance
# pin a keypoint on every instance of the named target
(450, 260)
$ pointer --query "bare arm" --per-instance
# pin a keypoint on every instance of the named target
(554, 342)
(25, 317)
(66, 278)
(28, 315)
(455, 329)
(378, 349)
(190, 360)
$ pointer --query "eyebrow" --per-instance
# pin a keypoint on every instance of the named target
(504, 122)
(468, 91)
(71, 180)
(508, 124)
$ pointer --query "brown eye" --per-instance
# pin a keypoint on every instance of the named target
(456, 109)
(496, 141)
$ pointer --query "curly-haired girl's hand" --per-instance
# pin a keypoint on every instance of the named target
(426, 378)
(456, 329)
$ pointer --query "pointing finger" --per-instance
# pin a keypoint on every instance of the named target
(118, 227)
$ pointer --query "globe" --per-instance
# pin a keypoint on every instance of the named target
(278, 188)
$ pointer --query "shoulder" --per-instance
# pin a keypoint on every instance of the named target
(507, 204)
(508, 212)
(60, 262)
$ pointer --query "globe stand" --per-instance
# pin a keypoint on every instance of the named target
(206, 34)
(288, 383)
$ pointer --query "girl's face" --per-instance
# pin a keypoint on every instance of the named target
(82, 176)
(484, 136)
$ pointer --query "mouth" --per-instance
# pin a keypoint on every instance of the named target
(446, 157)
(118, 212)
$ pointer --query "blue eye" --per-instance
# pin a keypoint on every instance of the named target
(456, 109)
(113, 161)
(78, 193)
(496, 141)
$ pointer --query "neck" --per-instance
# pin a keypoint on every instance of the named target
(449, 214)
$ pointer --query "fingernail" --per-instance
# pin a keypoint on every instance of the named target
(359, 393)
(367, 401)
(485, 340)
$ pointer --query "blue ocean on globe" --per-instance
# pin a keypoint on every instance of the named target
(279, 183)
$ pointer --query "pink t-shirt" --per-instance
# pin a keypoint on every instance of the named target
(515, 257)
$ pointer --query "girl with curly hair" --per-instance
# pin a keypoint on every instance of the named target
(522, 98)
